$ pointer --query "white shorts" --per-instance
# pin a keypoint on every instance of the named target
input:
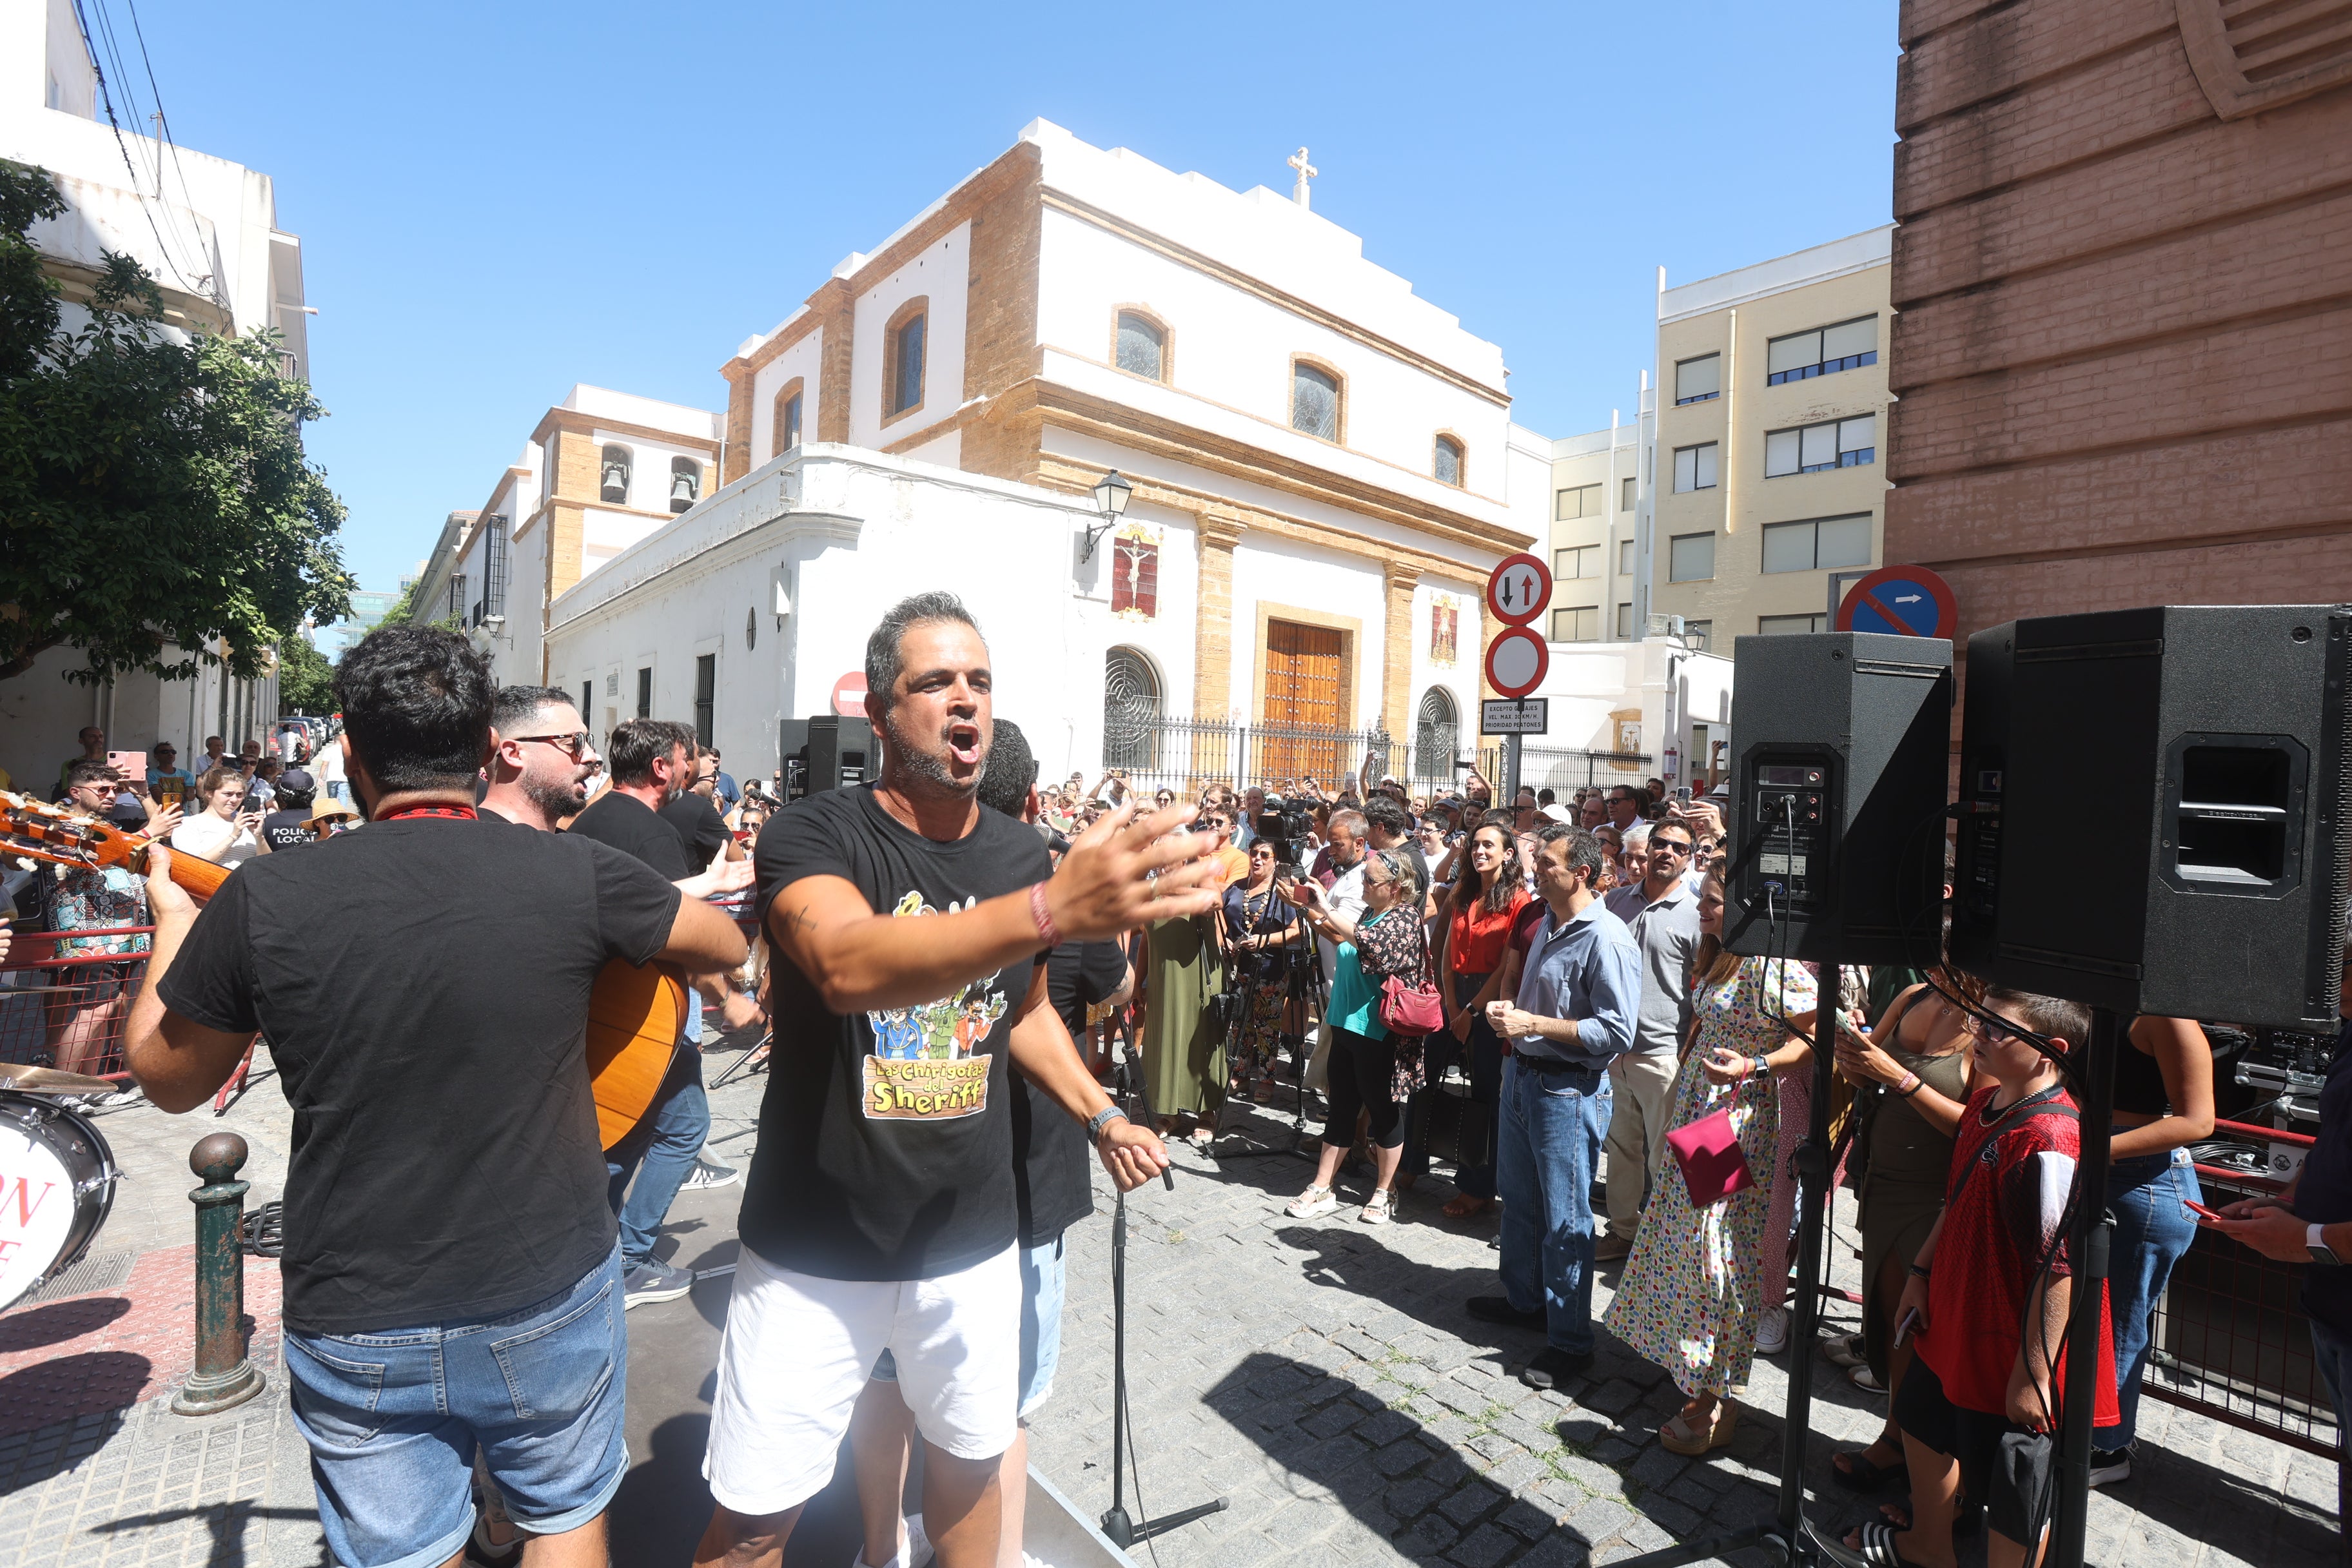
(798, 1350)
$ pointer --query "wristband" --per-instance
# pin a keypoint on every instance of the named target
(1042, 916)
(1102, 1118)
(1909, 1086)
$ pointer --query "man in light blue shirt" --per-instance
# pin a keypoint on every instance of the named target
(1580, 998)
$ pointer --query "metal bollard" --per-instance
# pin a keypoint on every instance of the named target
(224, 1375)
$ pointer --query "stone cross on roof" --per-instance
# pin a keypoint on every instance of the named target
(1306, 171)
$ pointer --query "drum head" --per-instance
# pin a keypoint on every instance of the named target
(57, 1183)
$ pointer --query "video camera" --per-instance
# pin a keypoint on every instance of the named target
(1285, 823)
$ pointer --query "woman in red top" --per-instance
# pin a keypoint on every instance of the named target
(1488, 892)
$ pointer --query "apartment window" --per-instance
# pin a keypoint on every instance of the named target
(1791, 626)
(1624, 623)
(706, 695)
(1824, 350)
(1817, 543)
(685, 483)
(1580, 624)
(646, 693)
(587, 700)
(1624, 558)
(1694, 468)
(903, 344)
(457, 597)
(788, 416)
(1690, 557)
(617, 461)
(1142, 345)
(1698, 380)
(1626, 494)
(1314, 400)
(1696, 634)
(1576, 561)
(1447, 461)
(1811, 449)
(1578, 500)
(495, 569)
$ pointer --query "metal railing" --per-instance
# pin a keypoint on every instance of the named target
(1188, 755)
(1548, 767)
(69, 1012)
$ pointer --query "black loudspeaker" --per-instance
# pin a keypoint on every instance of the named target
(1844, 742)
(840, 752)
(2152, 810)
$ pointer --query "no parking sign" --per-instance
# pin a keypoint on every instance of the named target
(1900, 601)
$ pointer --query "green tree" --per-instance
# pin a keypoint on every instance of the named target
(154, 501)
(306, 681)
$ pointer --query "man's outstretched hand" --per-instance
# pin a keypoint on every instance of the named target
(1105, 885)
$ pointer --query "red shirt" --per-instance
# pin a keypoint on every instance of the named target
(1477, 938)
(2003, 1201)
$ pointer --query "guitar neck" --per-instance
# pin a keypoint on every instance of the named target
(199, 878)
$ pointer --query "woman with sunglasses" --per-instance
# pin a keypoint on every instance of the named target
(1371, 1070)
(220, 831)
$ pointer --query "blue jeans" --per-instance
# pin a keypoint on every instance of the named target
(1552, 1122)
(393, 1419)
(2152, 1231)
(660, 1151)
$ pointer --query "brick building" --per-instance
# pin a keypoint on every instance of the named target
(2121, 351)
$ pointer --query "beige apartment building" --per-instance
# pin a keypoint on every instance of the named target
(1769, 471)
(1597, 501)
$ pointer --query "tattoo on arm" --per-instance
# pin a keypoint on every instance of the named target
(801, 921)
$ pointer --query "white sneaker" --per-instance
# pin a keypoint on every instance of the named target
(1313, 1203)
(708, 1173)
(1772, 1333)
(913, 1554)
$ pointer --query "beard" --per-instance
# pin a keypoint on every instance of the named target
(556, 797)
(929, 766)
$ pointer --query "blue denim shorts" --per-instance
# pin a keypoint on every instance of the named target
(1041, 1325)
(393, 1419)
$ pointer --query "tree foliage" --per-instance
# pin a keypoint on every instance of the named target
(306, 681)
(154, 501)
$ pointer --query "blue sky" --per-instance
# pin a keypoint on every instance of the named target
(499, 200)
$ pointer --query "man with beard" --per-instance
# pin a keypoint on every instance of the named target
(880, 1213)
(652, 763)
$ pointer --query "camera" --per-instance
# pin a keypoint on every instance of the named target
(1285, 823)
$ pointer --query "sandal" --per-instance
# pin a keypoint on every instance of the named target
(1464, 1206)
(1877, 1547)
(1859, 1474)
(1967, 1519)
(1679, 1436)
(1380, 1207)
(1312, 1204)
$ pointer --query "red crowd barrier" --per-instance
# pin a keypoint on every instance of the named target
(69, 1012)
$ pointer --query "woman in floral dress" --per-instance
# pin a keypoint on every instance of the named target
(1693, 1289)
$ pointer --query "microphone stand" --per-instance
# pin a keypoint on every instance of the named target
(1123, 1530)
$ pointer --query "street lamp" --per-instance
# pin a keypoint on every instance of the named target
(1110, 500)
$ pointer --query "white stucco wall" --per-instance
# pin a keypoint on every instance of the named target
(941, 274)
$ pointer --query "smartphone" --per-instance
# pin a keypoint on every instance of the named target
(131, 765)
(2199, 1210)
(1902, 1329)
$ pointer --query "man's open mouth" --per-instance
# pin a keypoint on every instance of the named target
(964, 745)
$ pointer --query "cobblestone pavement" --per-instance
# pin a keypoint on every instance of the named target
(1322, 1374)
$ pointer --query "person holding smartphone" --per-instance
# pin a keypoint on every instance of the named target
(220, 830)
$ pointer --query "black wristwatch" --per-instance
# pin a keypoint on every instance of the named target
(2320, 1251)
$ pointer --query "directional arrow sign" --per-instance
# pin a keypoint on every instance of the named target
(1519, 589)
(1903, 601)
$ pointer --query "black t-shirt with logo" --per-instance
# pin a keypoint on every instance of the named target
(284, 829)
(632, 826)
(886, 1139)
(425, 988)
(1053, 1166)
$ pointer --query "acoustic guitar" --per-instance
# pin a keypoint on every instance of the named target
(634, 1016)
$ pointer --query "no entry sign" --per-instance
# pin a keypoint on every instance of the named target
(1516, 662)
(1901, 600)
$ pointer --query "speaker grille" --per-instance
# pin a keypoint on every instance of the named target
(2326, 968)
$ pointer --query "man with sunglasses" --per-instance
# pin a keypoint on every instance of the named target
(1661, 911)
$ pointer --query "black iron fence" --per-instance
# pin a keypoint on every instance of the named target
(1187, 754)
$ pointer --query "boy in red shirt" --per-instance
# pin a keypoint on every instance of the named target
(1989, 1298)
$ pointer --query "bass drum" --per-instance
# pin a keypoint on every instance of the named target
(57, 1183)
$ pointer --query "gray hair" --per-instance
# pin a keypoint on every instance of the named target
(1353, 821)
(1403, 872)
(1637, 836)
(885, 661)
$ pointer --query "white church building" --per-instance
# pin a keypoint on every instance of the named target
(1323, 470)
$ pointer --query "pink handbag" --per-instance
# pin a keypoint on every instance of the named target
(1713, 1166)
(1410, 1009)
